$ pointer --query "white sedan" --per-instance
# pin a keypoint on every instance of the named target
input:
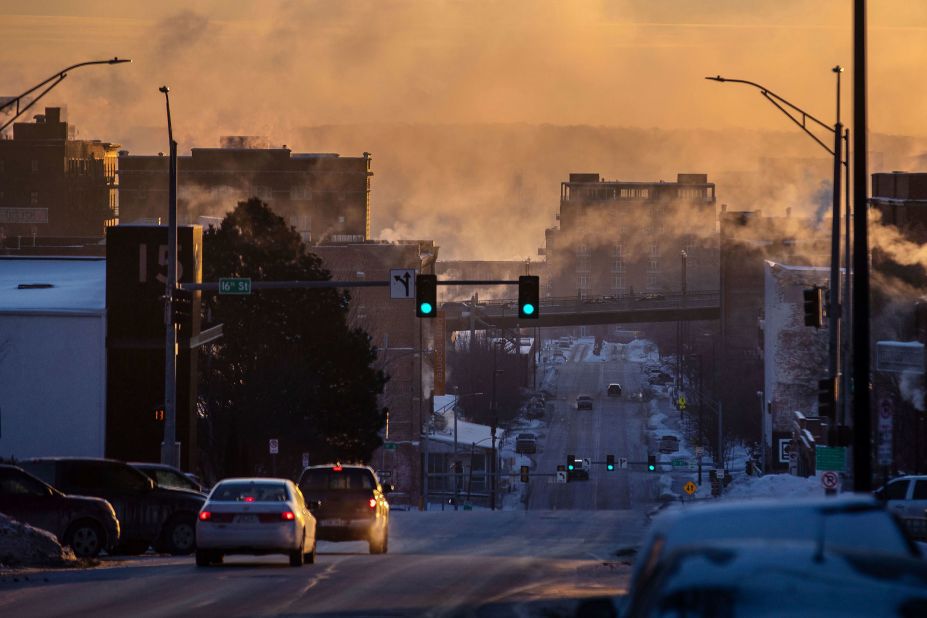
(255, 516)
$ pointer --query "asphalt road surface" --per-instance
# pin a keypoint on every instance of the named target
(615, 426)
(467, 563)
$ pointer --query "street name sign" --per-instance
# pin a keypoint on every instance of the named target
(389, 446)
(830, 458)
(402, 283)
(680, 463)
(235, 285)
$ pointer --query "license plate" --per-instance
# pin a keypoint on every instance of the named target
(333, 522)
(246, 519)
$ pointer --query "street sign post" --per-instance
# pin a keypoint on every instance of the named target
(886, 420)
(274, 446)
(830, 480)
(830, 458)
(235, 285)
(690, 488)
(622, 463)
(402, 283)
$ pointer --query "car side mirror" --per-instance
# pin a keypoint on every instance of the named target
(313, 505)
(387, 488)
(151, 485)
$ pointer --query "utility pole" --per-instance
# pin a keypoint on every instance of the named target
(170, 448)
(862, 420)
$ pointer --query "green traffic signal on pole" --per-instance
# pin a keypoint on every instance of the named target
(529, 292)
(426, 296)
(651, 462)
(610, 462)
(571, 463)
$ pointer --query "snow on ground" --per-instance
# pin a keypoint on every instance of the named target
(773, 486)
(642, 350)
(23, 545)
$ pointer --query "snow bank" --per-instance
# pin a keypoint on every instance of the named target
(774, 486)
(23, 545)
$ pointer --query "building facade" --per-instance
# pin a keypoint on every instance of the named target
(54, 185)
(326, 197)
(404, 350)
(617, 238)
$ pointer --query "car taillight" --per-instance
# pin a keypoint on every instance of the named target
(337, 468)
(205, 515)
(372, 502)
(287, 515)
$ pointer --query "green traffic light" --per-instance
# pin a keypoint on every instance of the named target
(570, 467)
(611, 467)
(527, 309)
(652, 467)
(426, 308)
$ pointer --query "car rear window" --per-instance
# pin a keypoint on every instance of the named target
(249, 492)
(325, 479)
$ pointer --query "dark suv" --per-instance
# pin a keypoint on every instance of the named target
(148, 514)
(87, 525)
(351, 504)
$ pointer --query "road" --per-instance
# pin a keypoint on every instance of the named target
(614, 426)
(467, 563)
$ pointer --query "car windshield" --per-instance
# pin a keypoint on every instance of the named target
(326, 479)
(245, 491)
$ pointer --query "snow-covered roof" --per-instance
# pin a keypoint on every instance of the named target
(65, 285)
(467, 433)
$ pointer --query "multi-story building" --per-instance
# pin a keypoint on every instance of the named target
(54, 185)
(405, 349)
(618, 238)
(326, 197)
(748, 239)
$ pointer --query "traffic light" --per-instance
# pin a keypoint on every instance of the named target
(827, 396)
(524, 474)
(610, 462)
(426, 296)
(181, 306)
(814, 306)
(651, 462)
(529, 293)
(571, 463)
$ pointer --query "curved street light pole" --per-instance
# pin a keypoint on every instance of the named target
(54, 80)
(801, 118)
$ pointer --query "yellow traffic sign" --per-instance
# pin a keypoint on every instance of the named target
(690, 488)
(681, 402)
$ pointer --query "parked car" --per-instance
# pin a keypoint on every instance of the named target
(167, 476)
(906, 496)
(255, 516)
(87, 525)
(149, 515)
(526, 443)
(854, 523)
(757, 578)
(614, 390)
(352, 504)
(584, 402)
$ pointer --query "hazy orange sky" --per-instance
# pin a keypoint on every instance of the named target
(264, 67)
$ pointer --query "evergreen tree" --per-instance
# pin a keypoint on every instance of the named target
(288, 365)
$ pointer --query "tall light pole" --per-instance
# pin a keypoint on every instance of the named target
(170, 448)
(51, 82)
(801, 118)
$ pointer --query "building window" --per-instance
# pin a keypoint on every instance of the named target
(582, 283)
(35, 165)
(655, 249)
(654, 265)
(300, 192)
(263, 193)
(34, 198)
(618, 250)
(651, 281)
(583, 266)
(618, 282)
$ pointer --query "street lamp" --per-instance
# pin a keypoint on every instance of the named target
(801, 118)
(170, 448)
(55, 79)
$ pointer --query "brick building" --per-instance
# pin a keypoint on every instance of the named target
(399, 336)
(748, 238)
(324, 196)
(615, 236)
(54, 185)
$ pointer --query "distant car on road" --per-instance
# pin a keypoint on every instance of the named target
(149, 515)
(167, 476)
(647, 297)
(87, 525)
(584, 402)
(614, 390)
(526, 443)
(669, 444)
(352, 504)
(255, 516)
